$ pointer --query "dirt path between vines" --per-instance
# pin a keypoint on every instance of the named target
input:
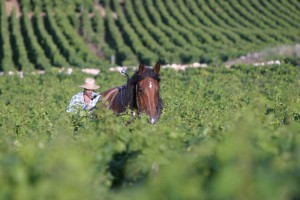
(100, 8)
(267, 55)
(10, 5)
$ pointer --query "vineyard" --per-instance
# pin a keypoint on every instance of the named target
(224, 133)
(43, 34)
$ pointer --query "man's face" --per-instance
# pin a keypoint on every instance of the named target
(88, 92)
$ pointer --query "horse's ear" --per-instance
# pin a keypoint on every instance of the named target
(156, 67)
(142, 68)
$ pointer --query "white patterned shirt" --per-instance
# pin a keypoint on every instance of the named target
(77, 102)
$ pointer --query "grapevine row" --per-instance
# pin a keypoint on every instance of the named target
(91, 33)
(51, 50)
(19, 50)
(7, 63)
(35, 51)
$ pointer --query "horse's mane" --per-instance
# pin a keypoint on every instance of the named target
(126, 95)
(136, 77)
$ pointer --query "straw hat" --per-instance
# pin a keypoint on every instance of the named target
(89, 83)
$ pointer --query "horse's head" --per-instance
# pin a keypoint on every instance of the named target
(141, 92)
(147, 92)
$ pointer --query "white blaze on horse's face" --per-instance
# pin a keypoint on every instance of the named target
(150, 85)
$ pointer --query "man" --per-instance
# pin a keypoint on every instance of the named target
(87, 99)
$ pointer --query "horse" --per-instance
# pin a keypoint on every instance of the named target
(141, 93)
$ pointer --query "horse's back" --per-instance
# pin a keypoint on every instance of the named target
(110, 97)
(110, 94)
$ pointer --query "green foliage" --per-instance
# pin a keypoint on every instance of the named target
(100, 33)
(35, 51)
(223, 134)
(18, 45)
(7, 63)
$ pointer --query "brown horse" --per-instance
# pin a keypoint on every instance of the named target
(140, 93)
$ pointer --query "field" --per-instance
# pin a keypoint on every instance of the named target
(44, 34)
(224, 133)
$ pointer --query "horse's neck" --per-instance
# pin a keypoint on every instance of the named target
(128, 94)
(110, 94)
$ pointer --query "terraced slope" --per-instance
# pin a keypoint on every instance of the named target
(40, 34)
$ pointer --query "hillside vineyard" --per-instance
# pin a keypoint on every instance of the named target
(227, 130)
(40, 34)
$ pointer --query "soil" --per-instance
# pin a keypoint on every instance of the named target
(10, 5)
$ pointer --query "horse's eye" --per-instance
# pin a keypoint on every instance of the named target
(140, 90)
